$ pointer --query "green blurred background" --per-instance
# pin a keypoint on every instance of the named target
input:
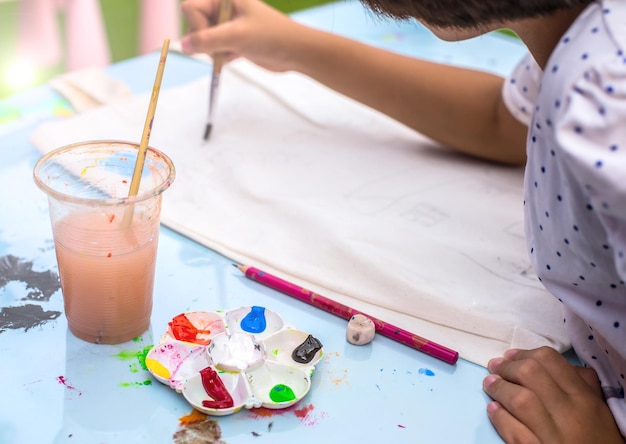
(121, 19)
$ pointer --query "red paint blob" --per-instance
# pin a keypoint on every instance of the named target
(183, 329)
(215, 388)
(301, 413)
(63, 380)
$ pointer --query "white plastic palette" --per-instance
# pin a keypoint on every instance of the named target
(246, 357)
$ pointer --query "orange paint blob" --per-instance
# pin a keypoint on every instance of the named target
(263, 412)
(192, 418)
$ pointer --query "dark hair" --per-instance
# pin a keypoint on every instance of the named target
(468, 13)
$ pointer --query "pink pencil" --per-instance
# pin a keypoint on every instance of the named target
(345, 312)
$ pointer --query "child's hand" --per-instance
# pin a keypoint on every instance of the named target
(540, 397)
(256, 31)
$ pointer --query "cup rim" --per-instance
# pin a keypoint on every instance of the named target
(113, 201)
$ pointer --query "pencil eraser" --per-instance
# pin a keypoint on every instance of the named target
(361, 330)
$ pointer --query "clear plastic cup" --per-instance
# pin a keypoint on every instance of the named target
(105, 241)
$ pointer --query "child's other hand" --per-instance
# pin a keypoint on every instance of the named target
(256, 31)
(540, 397)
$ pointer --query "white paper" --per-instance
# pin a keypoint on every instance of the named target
(331, 195)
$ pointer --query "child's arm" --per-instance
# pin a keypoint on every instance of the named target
(540, 397)
(457, 107)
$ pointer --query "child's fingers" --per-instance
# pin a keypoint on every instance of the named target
(532, 378)
(591, 378)
(555, 400)
(522, 405)
(213, 40)
(508, 427)
(542, 367)
(199, 14)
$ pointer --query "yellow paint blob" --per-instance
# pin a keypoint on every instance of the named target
(157, 368)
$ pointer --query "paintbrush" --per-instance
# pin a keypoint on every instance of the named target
(147, 130)
(218, 61)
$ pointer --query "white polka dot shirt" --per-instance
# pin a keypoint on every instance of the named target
(575, 185)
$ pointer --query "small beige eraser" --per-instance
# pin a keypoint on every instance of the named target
(360, 330)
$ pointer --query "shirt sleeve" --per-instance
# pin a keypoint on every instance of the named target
(520, 89)
(591, 132)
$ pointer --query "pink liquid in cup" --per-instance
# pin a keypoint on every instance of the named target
(106, 243)
(119, 308)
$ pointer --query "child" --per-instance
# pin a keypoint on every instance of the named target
(562, 112)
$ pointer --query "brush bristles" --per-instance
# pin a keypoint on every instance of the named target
(207, 131)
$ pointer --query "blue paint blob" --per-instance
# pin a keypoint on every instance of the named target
(427, 372)
(254, 322)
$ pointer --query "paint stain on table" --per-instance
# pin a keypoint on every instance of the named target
(192, 418)
(206, 431)
(138, 358)
(25, 316)
(39, 287)
(139, 355)
(426, 372)
(63, 381)
(306, 413)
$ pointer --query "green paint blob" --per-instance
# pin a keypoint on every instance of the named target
(282, 393)
(135, 384)
(125, 355)
(140, 355)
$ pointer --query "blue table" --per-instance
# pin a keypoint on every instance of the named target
(55, 388)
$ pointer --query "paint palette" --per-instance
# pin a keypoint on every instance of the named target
(224, 361)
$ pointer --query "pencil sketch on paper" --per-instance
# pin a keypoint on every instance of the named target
(424, 214)
(518, 272)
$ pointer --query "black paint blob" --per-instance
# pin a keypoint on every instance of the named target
(25, 316)
(39, 287)
(305, 352)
